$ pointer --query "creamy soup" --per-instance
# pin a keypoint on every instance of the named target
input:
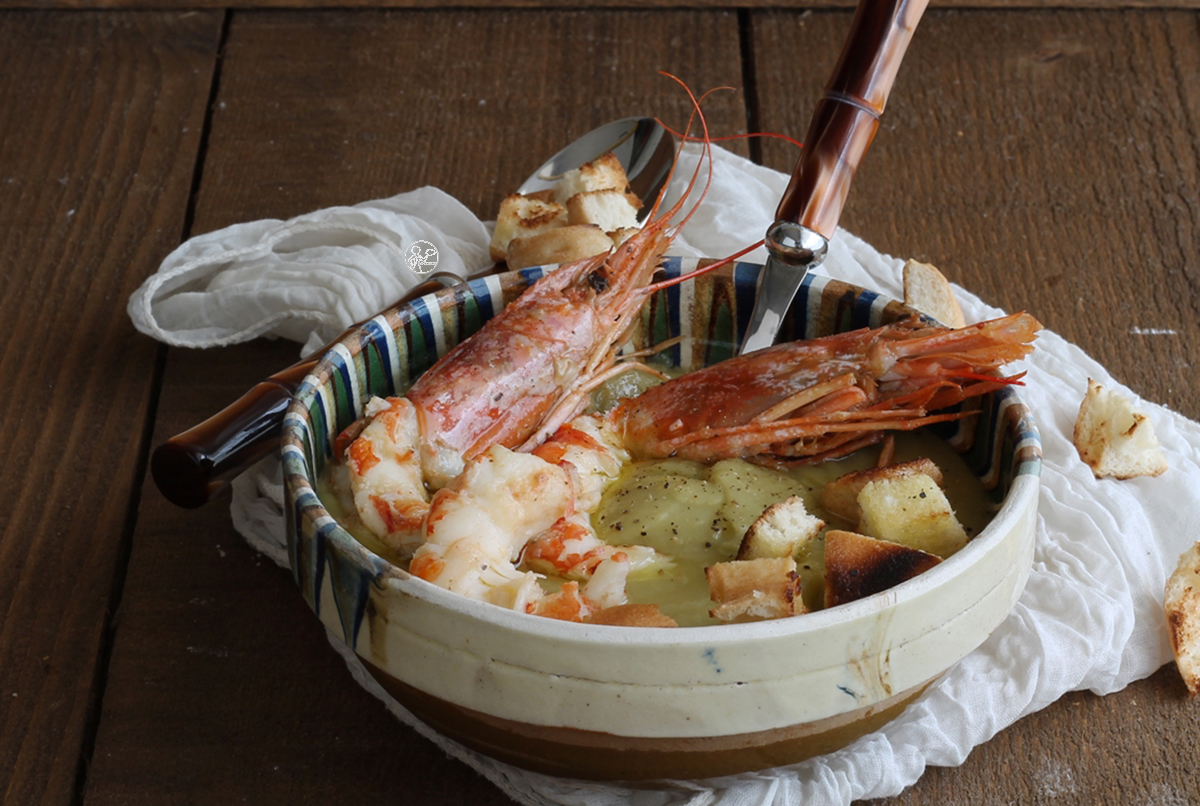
(695, 515)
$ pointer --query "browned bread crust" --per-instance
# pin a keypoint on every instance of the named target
(858, 566)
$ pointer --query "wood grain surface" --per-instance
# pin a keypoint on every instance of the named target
(102, 115)
(569, 4)
(1046, 159)
(1003, 160)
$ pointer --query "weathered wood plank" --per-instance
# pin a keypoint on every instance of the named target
(988, 164)
(568, 4)
(468, 102)
(103, 114)
(222, 686)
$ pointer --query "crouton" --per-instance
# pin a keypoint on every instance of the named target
(751, 590)
(560, 245)
(1113, 439)
(927, 290)
(632, 615)
(780, 531)
(913, 511)
(622, 235)
(603, 173)
(858, 566)
(610, 209)
(523, 216)
(1182, 606)
(840, 496)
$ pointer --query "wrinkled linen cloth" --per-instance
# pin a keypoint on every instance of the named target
(1090, 617)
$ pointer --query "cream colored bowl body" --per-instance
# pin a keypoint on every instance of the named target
(617, 702)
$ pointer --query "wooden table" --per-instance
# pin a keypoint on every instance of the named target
(1048, 159)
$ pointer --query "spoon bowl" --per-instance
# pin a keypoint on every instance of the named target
(646, 151)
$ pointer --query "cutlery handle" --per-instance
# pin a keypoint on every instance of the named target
(847, 117)
(191, 467)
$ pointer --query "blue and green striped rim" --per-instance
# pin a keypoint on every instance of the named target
(388, 352)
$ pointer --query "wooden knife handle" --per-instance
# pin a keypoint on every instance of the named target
(190, 468)
(847, 117)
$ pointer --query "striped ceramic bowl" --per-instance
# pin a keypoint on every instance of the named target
(604, 702)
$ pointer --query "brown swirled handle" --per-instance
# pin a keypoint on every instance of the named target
(846, 118)
(191, 467)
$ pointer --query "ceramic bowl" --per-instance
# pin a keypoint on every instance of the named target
(605, 702)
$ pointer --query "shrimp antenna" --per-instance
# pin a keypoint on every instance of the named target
(697, 114)
(654, 211)
(651, 288)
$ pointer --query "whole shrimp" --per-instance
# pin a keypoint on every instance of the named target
(528, 371)
(803, 401)
(819, 399)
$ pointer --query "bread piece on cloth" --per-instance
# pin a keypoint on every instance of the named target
(840, 496)
(1113, 439)
(928, 290)
(1182, 605)
(751, 590)
(780, 531)
(858, 566)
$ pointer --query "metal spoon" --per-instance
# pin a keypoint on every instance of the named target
(191, 467)
(842, 128)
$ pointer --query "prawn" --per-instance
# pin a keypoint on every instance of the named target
(528, 371)
(808, 401)
(798, 402)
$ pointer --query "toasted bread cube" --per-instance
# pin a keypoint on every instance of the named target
(1182, 605)
(561, 245)
(858, 566)
(603, 173)
(632, 615)
(610, 209)
(840, 496)
(1113, 439)
(523, 216)
(780, 531)
(546, 195)
(752, 590)
(911, 510)
(928, 290)
(622, 235)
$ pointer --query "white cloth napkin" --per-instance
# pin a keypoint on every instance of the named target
(1090, 617)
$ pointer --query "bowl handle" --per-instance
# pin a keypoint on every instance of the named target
(192, 467)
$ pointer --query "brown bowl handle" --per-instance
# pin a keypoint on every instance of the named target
(190, 468)
(847, 117)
